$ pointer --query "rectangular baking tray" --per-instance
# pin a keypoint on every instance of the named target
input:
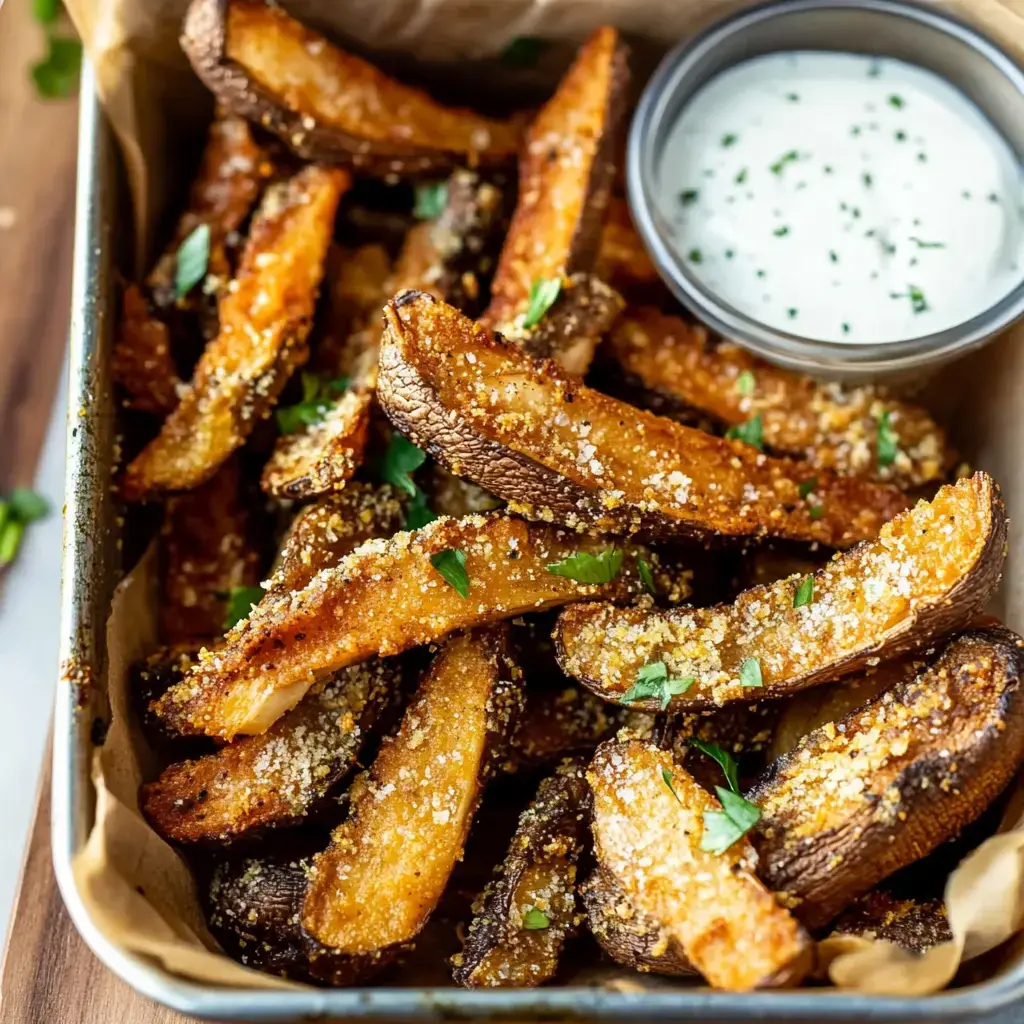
(91, 569)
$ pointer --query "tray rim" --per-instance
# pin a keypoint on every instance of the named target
(88, 557)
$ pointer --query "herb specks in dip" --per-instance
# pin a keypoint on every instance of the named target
(876, 197)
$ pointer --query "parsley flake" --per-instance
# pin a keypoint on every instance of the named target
(543, 293)
(804, 592)
(419, 513)
(653, 681)
(317, 397)
(816, 511)
(689, 196)
(451, 564)
(741, 177)
(695, 256)
(750, 673)
(807, 486)
(927, 245)
(400, 460)
(431, 199)
(729, 139)
(750, 432)
(523, 52)
(646, 576)
(895, 100)
(666, 777)
(723, 828)
(781, 232)
(535, 920)
(725, 760)
(193, 256)
(746, 382)
(888, 441)
(787, 158)
(584, 567)
(240, 602)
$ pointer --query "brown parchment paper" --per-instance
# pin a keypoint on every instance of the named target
(137, 889)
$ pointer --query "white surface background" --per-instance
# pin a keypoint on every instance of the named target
(29, 630)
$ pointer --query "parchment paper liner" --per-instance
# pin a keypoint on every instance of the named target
(138, 890)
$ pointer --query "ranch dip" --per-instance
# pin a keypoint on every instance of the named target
(843, 198)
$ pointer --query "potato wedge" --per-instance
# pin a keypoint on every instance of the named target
(142, 363)
(625, 934)
(860, 798)
(388, 864)
(384, 598)
(915, 925)
(207, 547)
(566, 167)
(254, 905)
(264, 321)
(450, 495)
(527, 913)
(325, 531)
(928, 572)
(622, 258)
(648, 836)
(329, 105)
(557, 450)
(678, 368)
(279, 777)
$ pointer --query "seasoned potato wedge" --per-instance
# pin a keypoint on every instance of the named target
(142, 363)
(389, 863)
(648, 836)
(254, 910)
(527, 913)
(859, 798)
(278, 777)
(557, 450)
(325, 531)
(622, 259)
(831, 426)
(566, 167)
(207, 547)
(384, 598)
(231, 173)
(327, 104)
(149, 679)
(264, 320)
(625, 934)
(928, 572)
(915, 925)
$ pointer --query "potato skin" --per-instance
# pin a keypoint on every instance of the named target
(931, 754)
(915, 925)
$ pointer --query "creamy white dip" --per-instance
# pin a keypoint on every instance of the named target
(843, 198)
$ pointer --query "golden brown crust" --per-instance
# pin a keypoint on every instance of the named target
(622, 259)
(648, 836)
(915, 925)
(566, 168)
(527, 913)
(327, 104)
(831, 426)
(389, 863)
(207, 548)
(563, 452)
(625, 934)
(382, 599)
(279, 777)
(860, 798)
(264, 320)
(928, 572)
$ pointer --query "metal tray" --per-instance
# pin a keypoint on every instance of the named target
(90, 572)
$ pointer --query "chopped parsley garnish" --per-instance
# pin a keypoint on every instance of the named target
(828, 168)
(760, 273)
(21, 507)
(816, 511)
(804, 592)
(543, 293)
(900, 136)
(729, 139)
(791, 312)
(895, 100)
(729, 254)
(807, 486)
(240, 603)
(741, 176)
(400, 460)
(723, 828)
(689, 196)
(917, 299)
(746, 382)
(419, 513)
(193, 256)
(922, 158)
(855, 130)
(833, 255)
(653, 681)
(846, 327)
(781, 232)
(750, 432)
(666, 777)
(317, 397)
(750, 673)
(523, 52)
(992, 197)
(695, 256)
(888, 441)
(451, 564)
(725, 760)
(927, 245)
(584, 567)
(867, 179)
(646, 576)
(787, 158)
(793, 97)
(535, 920)
(431, 199)
(874, 69)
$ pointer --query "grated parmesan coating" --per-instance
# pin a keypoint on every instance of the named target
(929, 571)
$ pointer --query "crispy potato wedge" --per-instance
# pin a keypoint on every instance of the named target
(325, 531)
(142, 363)
(622, 259)
(389, 863)
(382, 599)
(928, 572)
(677, 367)
(915, 925)
(527, 913)
(232, 172)
(207, 547)
(648, 836)
(254, 905)
(264, 320)
(859, 798)
(625, 934)
(450, 495)
(279, 777)
(150, 678)
(566, 167)
(557, 450)
(327, 104)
